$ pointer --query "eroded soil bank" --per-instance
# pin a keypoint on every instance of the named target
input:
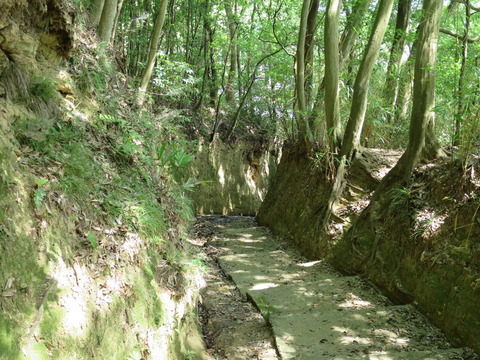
(235, 176)
(312, 311)
(420, 244)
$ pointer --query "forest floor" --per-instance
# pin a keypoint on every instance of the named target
(264, 301)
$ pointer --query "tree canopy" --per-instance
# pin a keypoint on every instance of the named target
(335, 76)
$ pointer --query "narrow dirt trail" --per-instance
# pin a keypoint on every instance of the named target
(311, 311)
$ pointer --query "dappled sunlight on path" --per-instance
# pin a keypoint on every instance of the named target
(315, 312)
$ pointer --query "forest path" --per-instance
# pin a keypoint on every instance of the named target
(313, 311)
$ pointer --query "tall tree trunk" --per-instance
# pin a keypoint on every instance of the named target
(351, 140)
(309, 40)
(423, 118)
(396, 54)
(97, 8)
(213, 69)
(347, 41)
(461, 78)
(105, 26)
(332, 70)
(152, 52)
(115, 20)
(304, 129)
(232, 28)
(350, 33)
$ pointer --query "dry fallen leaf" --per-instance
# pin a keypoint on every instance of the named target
(9, 283)
(9, 293)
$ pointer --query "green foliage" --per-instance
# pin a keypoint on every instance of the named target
(92, 240)
(44, 89)
(265, 307)
(175, 80)
(398, 199)
(39, 193)
(171, 156)
(423, 226)
(189, 355)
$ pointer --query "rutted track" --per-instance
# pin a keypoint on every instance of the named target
(313, 311)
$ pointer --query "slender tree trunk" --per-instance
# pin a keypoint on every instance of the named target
(404, 97)
(396, 53)
(105, 26)
(350, 33)
(423, 117)
(213, 70)
(152, 52)
(347, 41)
(115, 21)
(304, 129)
(232, 28)
(461, 78)
(309, 40)
(332, 71)
(97, 8)
(351, 140)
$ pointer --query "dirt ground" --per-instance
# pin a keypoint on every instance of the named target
(232, 326)
(299, 310)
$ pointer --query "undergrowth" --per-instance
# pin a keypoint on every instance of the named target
(88, 194)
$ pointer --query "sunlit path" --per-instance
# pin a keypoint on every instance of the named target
(315, 312)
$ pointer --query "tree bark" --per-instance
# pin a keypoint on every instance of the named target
(351, 140)
(115, 20)
(232, 28)
(309, 39)
(304, 129)
(461, 78)
(350, 33)
(97, 8)
(347, 41)
(396, 53)
(332, 71)
(422, 120)
(152, 52)
(105, 26)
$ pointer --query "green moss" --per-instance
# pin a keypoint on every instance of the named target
(51, 322)
(9, 346)
(147, 309)
(43, 88)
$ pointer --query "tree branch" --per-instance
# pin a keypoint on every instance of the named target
(460, 37)
(275, 32)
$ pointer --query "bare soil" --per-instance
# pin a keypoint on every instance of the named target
(233, 328)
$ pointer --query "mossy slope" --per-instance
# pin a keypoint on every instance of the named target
(93, 259)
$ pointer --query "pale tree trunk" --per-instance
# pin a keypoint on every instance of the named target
(97, 8)
(422, 140)
(232, 28)
(396, 53)
(461, 78)
(351, 140)
(304, 129)
(347, 41)
(105, 26)
(115, 21)
(309, 41)
(404, 96)
(332, 70)
(350, 34)
(152, 52)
